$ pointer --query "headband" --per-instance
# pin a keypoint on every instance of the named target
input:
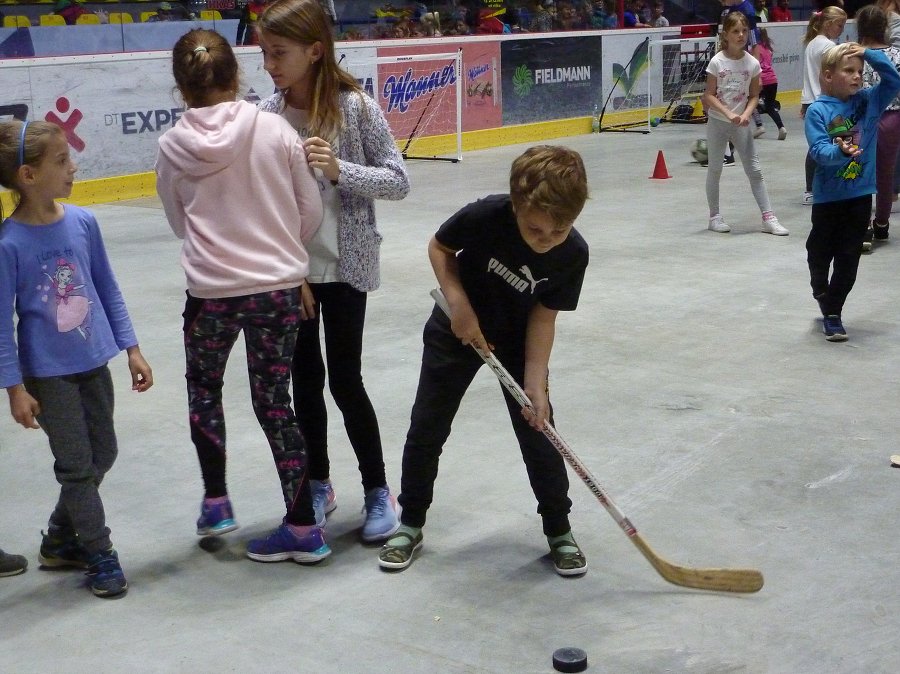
(22, 144)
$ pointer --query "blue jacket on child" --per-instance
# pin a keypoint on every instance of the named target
(837, 175)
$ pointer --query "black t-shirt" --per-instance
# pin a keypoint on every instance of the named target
(502, 276)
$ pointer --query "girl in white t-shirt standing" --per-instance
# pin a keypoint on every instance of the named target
(731, 96)
(824, 28)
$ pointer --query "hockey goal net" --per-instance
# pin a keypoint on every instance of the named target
(421, 95)
(676, 79)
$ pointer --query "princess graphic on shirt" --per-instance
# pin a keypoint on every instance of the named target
(72, 310)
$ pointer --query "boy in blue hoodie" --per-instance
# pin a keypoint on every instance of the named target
(842, 130)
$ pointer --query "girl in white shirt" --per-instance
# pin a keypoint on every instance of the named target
(731, 96)
(823, 29)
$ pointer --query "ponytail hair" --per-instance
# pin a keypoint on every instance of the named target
(203, 64)
(819, 20)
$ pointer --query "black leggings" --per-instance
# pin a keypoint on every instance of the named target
(768, 95)
(341, 310)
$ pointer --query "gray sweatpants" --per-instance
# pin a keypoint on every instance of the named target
(718, 133)
(77, 416)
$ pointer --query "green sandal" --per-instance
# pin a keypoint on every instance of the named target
(568, 563)
(398, 557)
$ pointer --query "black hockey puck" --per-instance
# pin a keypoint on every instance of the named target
(569, 660)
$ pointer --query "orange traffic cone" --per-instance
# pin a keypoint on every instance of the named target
(660, 172)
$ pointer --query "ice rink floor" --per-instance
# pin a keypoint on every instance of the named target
(693, 380)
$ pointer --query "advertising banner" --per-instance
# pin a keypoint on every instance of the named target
(547, 79)
(625, 61)
(481, 106)
(112, 110)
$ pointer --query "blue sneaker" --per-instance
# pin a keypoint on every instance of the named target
(215, 519)
(323, 499)
(283, 544)
(382, 515)
(105, 574)
(834, 329)
(62, 551)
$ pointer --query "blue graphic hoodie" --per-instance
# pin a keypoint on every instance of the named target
(838, 176)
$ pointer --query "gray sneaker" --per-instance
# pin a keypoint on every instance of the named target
(382, 515)
(12, 565)
(323, 500)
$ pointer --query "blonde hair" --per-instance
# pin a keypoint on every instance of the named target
(728, 23)
(203, 64)
(819, 20)
(17, 150)
(831, 59)
(550, 179)
(305, 22)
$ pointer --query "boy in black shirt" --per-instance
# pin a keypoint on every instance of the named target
(506, 264)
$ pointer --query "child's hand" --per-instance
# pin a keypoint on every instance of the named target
(141, 374)
(464, 324)
(539, 412)
(307, 302)
(739, 120)
(848, 148)
(24, 408)
(320, 155)
(856, 51)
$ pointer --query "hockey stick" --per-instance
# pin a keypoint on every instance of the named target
(721, 580)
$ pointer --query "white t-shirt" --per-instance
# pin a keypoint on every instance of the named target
(733, 77)
(323, 247)
(812, 68)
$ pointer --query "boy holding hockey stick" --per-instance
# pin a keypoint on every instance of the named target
(506, 264)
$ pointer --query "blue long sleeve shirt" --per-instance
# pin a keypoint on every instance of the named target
(58, 280)
(837, 175)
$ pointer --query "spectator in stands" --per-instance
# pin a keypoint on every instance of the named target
(781, 12)
(610, 14)
(70, 10)
(762, 11)
(542, 18)
(631, 17)
(568, 18)
(172, 11)
(657, 20)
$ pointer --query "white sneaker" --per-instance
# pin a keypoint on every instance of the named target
(717, 224)
(770, 225)
(807, 199)
(758, 131)
(782, 133)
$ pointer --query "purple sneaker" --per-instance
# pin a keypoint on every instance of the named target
(215, 518)
(283, 544)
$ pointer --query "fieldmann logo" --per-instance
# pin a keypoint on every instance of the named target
(562, 75)
(401, 91)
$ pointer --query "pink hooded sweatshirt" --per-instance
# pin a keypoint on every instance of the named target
(236, 187)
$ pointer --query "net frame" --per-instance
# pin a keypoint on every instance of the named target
(408, 141)
(670, 85)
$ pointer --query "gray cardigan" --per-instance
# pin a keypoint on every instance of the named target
(371, 168)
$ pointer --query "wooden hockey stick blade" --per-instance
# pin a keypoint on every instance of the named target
(717, 580)
(721, 580)
(895, 460)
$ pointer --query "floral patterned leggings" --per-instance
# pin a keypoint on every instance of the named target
(269, 322)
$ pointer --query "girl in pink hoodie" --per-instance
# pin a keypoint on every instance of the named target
(244, 259)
